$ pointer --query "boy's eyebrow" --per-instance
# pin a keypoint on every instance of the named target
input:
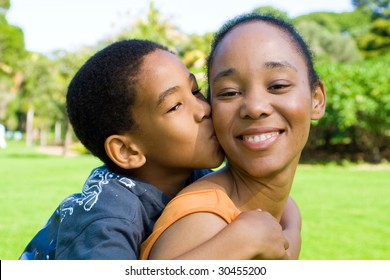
(171, 90)
(165, 94)
(192, 78)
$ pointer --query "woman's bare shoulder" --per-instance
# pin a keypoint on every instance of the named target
(216, 180)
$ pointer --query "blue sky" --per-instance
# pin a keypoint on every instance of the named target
(69, 24)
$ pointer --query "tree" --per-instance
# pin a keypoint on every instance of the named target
(192, 49)
(269, 10)
(12, 52)
(66, 66)
(193, 53)
(4, 5)
(155, 28)
(36, 87)
(358, 106)
(372, 4)
(334, 46)
(353, 23)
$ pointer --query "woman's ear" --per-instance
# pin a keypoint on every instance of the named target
(124, 152)
(318, 102)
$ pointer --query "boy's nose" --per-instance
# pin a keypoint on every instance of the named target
(202, 109)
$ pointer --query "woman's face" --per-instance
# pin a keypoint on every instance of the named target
(261, 99)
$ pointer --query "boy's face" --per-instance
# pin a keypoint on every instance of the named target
(261, 99)
(174, 123)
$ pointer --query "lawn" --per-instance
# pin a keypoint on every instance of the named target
(345, 210)
(32, 185)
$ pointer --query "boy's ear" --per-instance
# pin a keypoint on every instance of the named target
(124, 152)
(318, 102)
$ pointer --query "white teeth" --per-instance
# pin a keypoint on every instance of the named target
(259, 138)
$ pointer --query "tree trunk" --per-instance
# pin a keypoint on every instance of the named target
(68, 139)
(57, 133)
(29, 127)
(43, 137)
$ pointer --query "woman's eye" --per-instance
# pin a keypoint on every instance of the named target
(277, 87)
(174, 108)
(228, 93)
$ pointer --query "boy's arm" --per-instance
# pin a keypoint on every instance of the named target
(253, 234)
(103, 239)
(291, 223)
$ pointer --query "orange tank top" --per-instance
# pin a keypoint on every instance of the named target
(210, 200)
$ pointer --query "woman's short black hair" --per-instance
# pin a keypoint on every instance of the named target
(284, 26)
(101, 94)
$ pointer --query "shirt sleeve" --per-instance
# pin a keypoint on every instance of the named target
(105, 239)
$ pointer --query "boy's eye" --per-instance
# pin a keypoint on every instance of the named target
(174, 108)
(196, 91)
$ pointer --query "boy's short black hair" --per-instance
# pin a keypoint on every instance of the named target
(101, 94)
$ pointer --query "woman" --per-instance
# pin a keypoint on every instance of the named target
(264, 92)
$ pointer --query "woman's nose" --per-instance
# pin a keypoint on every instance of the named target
(255, 104)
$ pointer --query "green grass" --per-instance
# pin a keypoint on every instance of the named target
(31, 187)
(345, 210)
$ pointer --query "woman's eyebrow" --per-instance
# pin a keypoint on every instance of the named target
(279, 64)
(223, 73)
(267, 65)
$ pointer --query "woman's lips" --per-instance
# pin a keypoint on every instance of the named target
(260, 138)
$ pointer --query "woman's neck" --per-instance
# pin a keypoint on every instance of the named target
(268, 194)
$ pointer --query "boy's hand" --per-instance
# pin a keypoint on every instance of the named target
(261, 235)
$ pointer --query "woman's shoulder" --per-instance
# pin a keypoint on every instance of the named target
(219, 180)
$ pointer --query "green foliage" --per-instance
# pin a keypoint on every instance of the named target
(269, 10)
(156, 28)
(38, 84)
(11, 44)
(192, 49)
(5, 5)
(193, 53)
(354, 22)
(337, 47)
(358, 103)
(327, 20)
(12, 53)
(377, 42)
(65, 66)
(371, 3)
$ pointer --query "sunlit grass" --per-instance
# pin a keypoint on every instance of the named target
(345, 211)
(32, 185)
